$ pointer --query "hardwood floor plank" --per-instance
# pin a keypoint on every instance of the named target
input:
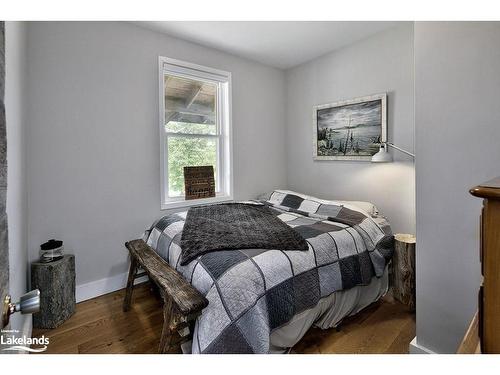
(374, 335)
(147, 319)
(100, 326)
(401, 344)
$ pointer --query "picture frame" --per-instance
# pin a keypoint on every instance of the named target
(350, 129)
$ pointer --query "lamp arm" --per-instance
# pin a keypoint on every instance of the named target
(400, 149)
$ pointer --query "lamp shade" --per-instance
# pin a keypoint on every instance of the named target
(382, 156)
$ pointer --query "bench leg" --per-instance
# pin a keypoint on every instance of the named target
(127, 301)
(166, 333)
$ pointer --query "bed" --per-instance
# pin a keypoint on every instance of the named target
(265, 300)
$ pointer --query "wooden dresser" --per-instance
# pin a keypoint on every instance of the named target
(489, 253)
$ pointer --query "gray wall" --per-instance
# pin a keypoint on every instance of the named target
(15, 102)
(381, 63)
(93, 145)
(457, 143)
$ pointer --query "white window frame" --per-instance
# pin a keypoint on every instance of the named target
(224, 153)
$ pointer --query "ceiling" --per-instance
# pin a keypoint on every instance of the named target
(282, 44)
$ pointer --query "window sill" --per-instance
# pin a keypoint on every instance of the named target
(181, 202)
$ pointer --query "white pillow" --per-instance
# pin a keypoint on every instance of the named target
(368, 207)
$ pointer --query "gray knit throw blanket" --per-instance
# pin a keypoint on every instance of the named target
(233, 226)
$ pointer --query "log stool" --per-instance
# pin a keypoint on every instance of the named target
(56, 281)
(402, 270)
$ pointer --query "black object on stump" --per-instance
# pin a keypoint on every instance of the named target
(51, 250)
(56, 281)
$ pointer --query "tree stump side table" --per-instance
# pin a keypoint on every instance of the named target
(402, 271)
(56, 281)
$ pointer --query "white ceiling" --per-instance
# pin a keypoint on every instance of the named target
(282, 44)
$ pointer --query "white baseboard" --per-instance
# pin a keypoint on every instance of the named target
(415, 348)
(103, 286)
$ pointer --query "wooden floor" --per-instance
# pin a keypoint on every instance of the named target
(100, 326)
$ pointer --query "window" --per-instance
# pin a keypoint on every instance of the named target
(195, 128)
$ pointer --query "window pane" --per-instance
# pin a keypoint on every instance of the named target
(188, 152)
(187, 128)
(192, 103)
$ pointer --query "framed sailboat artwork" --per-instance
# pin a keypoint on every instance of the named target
(350, 129)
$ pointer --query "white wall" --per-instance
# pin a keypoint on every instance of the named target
(457, 84)
(15, 103)
(381, 63)
(93, 147)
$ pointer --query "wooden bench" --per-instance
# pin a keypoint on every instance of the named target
(182, 303)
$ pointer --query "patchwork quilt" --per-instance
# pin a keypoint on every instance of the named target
(252, 292)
